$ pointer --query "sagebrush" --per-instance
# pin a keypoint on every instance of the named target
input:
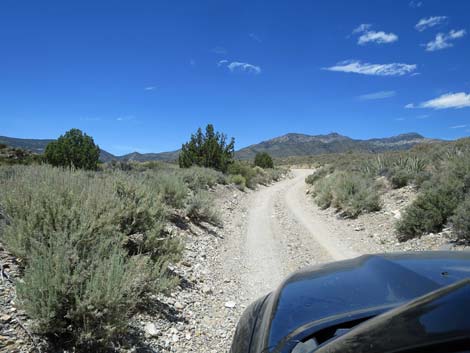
(93, 245)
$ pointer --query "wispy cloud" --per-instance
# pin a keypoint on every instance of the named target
(377, 95)
(362, 28)
(369, 36)
(150, 88)
(429, 22)
(219, 50)
(357, 67)
(400, 119)
(446, 101)
(444, 40)
(239, 66)
(377, 37)
(255, 37)
(458, 127)
(415, 4)
(125, 118)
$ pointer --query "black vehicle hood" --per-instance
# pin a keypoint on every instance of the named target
(336, 291)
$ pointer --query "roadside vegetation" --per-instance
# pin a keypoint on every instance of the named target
(12, 156)
(93, 239)
(353, 183)
(263, 160)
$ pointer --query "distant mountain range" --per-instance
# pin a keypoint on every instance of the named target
(38, 146)
(305, 145)
(283, 146)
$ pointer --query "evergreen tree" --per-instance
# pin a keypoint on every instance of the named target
(264, 160)
(73, 149)
(209, 149)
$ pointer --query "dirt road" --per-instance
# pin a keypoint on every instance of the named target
(267, 234)
(283, 234)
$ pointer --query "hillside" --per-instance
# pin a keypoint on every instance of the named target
(146, 157)
(288, 145)
(38, 146)
(304, 145)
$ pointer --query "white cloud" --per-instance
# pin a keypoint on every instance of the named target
(150, 88)
(362, 28)
(414, 3)
(377, 95)
(400, 119)
(449, 100)
(239, 66)
(458, 126)
(457, 34)
(219, 50)
(357, 67)
(443, 40)
(410, 106)
(429, 22)
(369, 36)
(126, 118)
(377, 37)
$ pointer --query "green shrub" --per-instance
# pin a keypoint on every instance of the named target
(200, 207)
(400, 178)
(461, 221)
(262, 176)
(239, 181)
(430, 211)
(263, 160)
(350, 193)
(209, 149)
(439, 197)
(114, 165)
(400, 169)
(420, 178)
(275, 174)
(316, 175)
(171, 186)
(245, 170)
(323, 193)
(93, 244)
(198, 178)
(354, 194)
(85, 294)
(73, 149)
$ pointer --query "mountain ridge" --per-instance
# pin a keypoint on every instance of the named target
(287, 145)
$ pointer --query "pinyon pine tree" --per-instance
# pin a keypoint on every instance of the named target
(209, 149)
(264, 160)
(73, 149)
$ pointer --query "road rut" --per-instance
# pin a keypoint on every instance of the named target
(282, 234)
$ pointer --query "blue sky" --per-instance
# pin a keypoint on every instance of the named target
(142, 75)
